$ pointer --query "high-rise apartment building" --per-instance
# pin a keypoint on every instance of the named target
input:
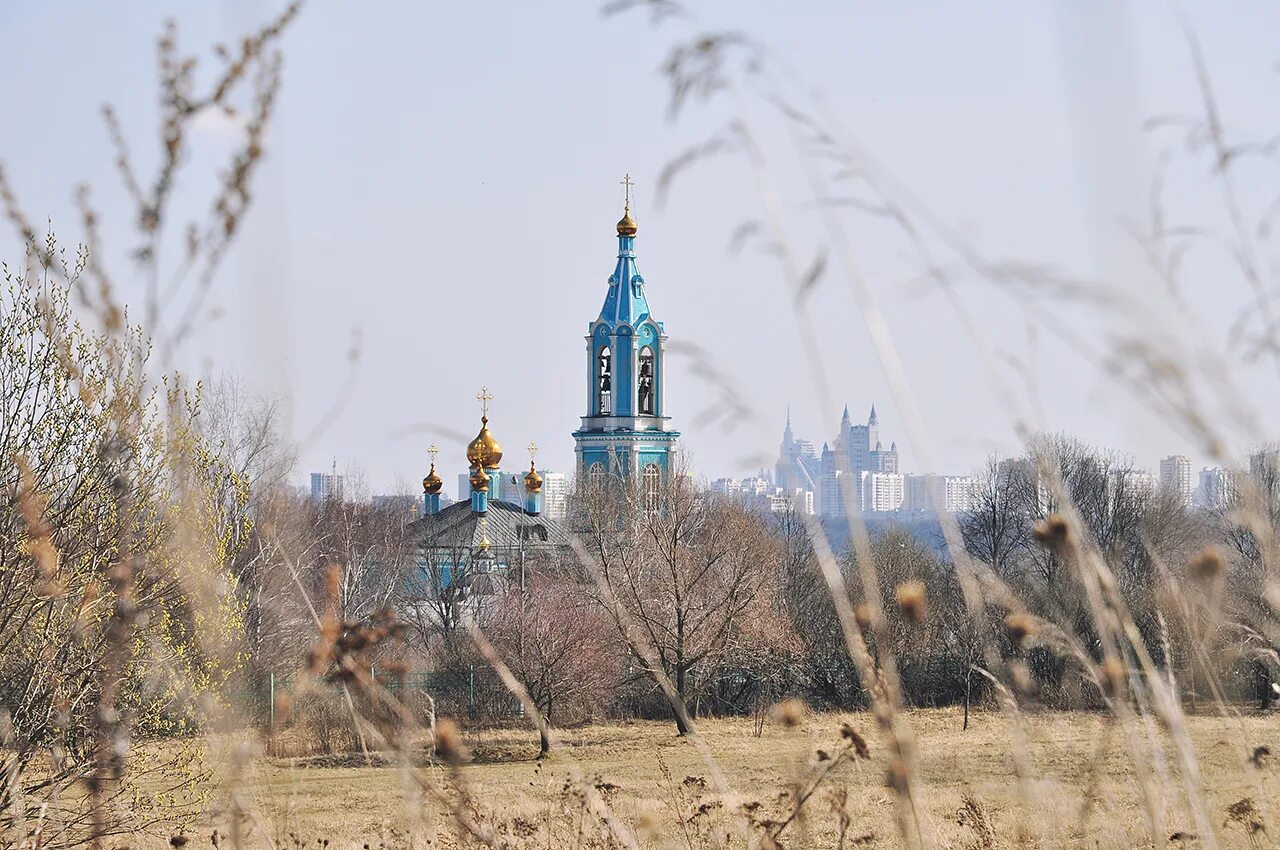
(938, 493)
(1175, 478)
(1217, 487)
(881, 491)
(326, 486)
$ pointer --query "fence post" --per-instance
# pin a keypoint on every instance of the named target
(271, 703)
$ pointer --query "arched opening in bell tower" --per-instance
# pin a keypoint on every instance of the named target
(605, 381)
(645, 387)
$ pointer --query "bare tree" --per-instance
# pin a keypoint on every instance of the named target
(678, 570)
(559, 644)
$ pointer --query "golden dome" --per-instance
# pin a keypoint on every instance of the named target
(627, 224)
(479, 481)
(532, 480)
(484, 451)
(432, 483)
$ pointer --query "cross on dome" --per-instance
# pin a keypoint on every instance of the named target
(626, 182)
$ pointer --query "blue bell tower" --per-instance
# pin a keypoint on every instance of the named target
(626, 431)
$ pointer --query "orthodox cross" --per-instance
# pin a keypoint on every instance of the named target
(627, 183)
(484, 398)
(533, 452)
(433, 450)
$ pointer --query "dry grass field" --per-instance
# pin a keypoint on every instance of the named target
(1083, 792)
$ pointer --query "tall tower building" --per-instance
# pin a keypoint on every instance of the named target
(1175, 477)
(626, 431)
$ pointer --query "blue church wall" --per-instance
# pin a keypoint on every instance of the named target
(660, 458)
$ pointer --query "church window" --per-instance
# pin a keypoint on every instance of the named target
(595, 474)
(606, 382)
(651, 484)
(645, 389)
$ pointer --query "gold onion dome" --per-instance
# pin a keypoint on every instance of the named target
(532, 480)
(432, 483)
(484, 451)
(627, 224)
(479, 481)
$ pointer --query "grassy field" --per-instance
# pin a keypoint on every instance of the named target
(1083, 791)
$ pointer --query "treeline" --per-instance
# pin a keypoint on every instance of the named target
(676, 603)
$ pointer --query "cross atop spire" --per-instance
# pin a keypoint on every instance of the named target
(484, 397)
(626, 182)
(433, 450)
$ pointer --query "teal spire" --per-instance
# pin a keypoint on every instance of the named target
(625, 302)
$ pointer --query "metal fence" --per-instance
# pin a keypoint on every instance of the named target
(473, 691)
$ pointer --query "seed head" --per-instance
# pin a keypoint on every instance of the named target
(862, 616)
(449, 742)
(1113, 675)
(895, 776)
(1053, 533)
(1207, 565)
(911, 598)
(1020, 627)
(789, 713)
(859, 743)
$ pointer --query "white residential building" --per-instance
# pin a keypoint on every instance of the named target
(1175, 478)
(882, 491)
(326, 486)
(555, 495)
(946, 493)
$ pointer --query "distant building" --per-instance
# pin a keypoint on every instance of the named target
(1175, 478)
(938, 493)
(880, 492)
(760, 494)
(555, 495)
(1265, 463)
(835, 475)
(726, 487)
(1217, 487)
(555, 491)
(326, 486)
(409, 506)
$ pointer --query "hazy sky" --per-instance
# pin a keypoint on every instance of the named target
(442, 180)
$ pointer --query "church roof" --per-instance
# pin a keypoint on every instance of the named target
(457, 526)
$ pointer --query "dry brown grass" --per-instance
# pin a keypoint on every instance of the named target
(1083, 779)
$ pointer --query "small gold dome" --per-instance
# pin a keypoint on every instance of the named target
(627, 224)
(479, 481)
(432, 483)
(484, 451)
(532, 480)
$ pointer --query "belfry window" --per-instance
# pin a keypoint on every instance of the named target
(644, 391)
(595, 475)
(606, 381)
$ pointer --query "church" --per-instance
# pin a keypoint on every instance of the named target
(469, 548)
